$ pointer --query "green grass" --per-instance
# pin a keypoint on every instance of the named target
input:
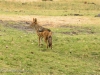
(62, 8)
(72, 54)
(76, 48)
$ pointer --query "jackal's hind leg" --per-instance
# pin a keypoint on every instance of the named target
(39, 41)
(46, 42)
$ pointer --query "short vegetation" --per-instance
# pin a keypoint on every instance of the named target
(75, 49)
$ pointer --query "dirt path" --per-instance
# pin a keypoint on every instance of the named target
(53, 21)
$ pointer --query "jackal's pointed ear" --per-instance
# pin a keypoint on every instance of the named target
(35, 20)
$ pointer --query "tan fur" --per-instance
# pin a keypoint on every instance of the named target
(42, 33)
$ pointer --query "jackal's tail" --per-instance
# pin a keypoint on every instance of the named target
(50, 40)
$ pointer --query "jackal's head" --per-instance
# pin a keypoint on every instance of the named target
(34, 22)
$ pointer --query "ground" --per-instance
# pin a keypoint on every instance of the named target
(76, 38)
(53, 21)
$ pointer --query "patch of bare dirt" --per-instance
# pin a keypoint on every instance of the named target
(97, 15)
(75, 30)
(20, 25)
(23, 22)
(53, 21)
(24, 26)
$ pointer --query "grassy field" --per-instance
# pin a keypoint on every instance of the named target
(75, 51)
(52, 8)
(76, 46)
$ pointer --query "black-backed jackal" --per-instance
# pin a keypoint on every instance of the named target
(42, 33)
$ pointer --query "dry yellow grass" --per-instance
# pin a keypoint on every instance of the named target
(27, 0)
(23, 0)
(55, 21)
(95, 1)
